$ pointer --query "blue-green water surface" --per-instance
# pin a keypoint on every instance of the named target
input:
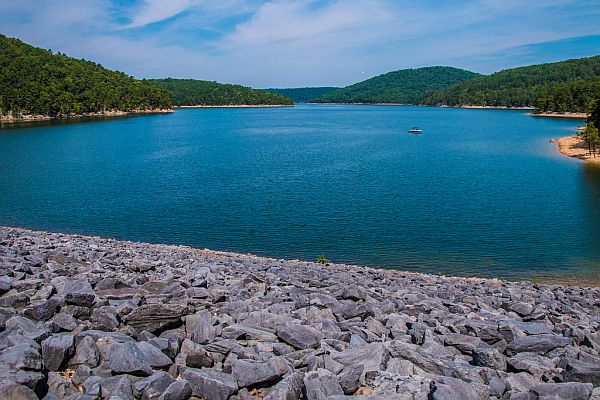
(481, 192)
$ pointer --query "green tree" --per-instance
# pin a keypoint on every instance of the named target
(591, 137)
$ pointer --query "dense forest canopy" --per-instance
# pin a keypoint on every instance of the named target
(561, 86)
(595, 111)
(192, 92)
(403, 86)
(36, 81)
(304, 94)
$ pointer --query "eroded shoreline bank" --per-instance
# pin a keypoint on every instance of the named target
(9, 119)
(103, 317)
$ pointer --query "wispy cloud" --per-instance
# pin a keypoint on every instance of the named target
(152, 11)
(312, 42)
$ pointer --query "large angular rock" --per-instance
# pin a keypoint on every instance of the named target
(349, 378)
(540, 344)
(14, 391)
(464, 343)
(446, 388)
(243, 331)
(210, 384)
(581, 371)
(562, 391)
(155, 357)
(372, 357)
(319, 386)
(79, 292)
(24, 355)
(152, 387)
(178, 390)
(126, 358)
(300, 336)
(488, 356)
(289, 388)
(56, 350)
(156, 318)
(248, 372)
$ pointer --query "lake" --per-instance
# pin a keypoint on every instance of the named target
(479, 193)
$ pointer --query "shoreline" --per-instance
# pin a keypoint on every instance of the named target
(80, 314)
(570, 115)
(239, 106)
(9, 119)
(574, 147)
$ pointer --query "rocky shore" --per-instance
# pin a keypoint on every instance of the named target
(111, 113)
(93, 318)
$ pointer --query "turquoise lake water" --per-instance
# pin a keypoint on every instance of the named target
(480, 193)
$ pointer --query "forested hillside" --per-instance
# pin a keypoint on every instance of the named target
(36, 81)
(305, 94)
(561, 86)
(403, 86)
(192, 92)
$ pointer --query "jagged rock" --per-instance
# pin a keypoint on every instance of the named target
(152, 387)
(86, 353)
(540, 344)
(250, 373)
(488, 356)
(156, 318)
(24, 355)
(210, 384)
(349, 378)
(464, 343)
(155, 357)
(372, 357)
(562, 391)
(289, 388)
(320, 386)
(56, 350)
(239, 331)
(14, 391)
(580, 371)
(126, 358)
(299, 336)
(79, 292)
(446, 388)
(178, 390)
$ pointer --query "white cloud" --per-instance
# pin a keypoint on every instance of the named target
(152, 11)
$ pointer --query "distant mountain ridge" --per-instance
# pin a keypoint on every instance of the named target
(304, 94)
(35, 81)
(404, 86)
(561, 86)
(193, 92)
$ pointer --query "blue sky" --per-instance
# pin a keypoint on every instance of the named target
(288, 43)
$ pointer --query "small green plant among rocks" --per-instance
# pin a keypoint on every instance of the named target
(322, 260)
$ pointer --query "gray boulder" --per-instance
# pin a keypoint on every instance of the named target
(446, 388)
(248, 372)
(540, 344)
(178, 390)
(156, 318)
(126, 358)
(319, 386)
(300, 336)
(289, 388)
(56, 350)
(79, 292)
(210, 384)
(562, 391)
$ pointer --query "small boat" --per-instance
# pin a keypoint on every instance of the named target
(415, 130)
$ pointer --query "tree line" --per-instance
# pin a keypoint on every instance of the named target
(37, 81)
(405, 86)
(563, 86)
(193, 92)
